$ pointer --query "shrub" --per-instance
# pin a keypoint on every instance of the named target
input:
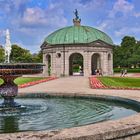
(129, 70)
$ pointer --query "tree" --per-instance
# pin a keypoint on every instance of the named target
(37, 57)
(1, 55)
(126, 54)
(135, 58)
(20, 55)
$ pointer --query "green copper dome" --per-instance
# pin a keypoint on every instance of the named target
(76, 35)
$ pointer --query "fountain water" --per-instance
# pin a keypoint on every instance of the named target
(7, 47)
(9, 72)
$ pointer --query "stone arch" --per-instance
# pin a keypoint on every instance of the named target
(76, 64)
(95, 62)
(48, 64)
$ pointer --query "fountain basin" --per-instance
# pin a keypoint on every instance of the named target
(20, 68)
(9, 72)
(54, 113)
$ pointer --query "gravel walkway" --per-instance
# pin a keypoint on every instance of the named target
(77, 84)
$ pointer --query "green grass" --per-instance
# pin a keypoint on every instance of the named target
(120, 82)
(23, 80)
(1, 81)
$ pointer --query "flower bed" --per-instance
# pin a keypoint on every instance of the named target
(95, 83)
(36, 82)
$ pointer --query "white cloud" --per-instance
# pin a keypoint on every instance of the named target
(34, 16)
(90, 4)
(18, 3)
(105, 25)
(127, 31)
(137, 15)
(122, 6)
(53, 16)
(12, 7)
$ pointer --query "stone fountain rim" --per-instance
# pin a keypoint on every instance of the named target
(113, 129)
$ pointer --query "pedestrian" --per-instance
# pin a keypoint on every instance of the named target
(125, 72)
(122, 72)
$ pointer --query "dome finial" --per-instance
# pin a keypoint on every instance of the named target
(76, 20)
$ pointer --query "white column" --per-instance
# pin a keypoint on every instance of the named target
(62, 62)
(111, 61)
(45, 68)
(53, 57)
(102, 62)
(98, 62)
(89, 63)
(86, 64)
(66, 63)
(105, 63)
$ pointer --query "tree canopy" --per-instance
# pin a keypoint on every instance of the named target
(1, 55)
(21, 55)
(128, 53)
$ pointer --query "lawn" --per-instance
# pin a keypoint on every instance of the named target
(120, 82)
(23, 80)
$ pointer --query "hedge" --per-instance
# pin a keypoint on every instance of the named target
(129, 70)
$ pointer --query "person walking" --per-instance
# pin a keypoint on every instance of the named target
(125, 73)
(122, 72)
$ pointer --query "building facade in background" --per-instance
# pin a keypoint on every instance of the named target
(77, 49)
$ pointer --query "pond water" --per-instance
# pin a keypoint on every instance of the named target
(57, 113)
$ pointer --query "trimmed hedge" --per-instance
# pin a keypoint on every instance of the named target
(129, 70)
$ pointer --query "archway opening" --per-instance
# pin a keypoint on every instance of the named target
(95, 63)
(76, 64)
(48, 58)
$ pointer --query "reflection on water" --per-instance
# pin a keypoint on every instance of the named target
(56, 113)
(9, 124)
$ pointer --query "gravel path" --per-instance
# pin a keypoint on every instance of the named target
(77, 84)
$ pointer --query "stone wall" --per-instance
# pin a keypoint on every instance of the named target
(60, 65)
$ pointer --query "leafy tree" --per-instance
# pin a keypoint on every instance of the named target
(135, 58)
(37, 57)
(19, 54)
(128, 53)
(1, 55)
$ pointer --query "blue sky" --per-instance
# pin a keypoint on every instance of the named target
(30, 21)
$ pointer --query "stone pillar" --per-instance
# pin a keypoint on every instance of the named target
(98, 62)
(86, 64)
(53, 64)
(62, 63)
(58, 61)
(105, 63)
(89, 63)
(45, 68)
(102, 62)
(111, 61)
(66, 63)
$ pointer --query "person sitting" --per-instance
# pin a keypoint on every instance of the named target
(100, 72)
(97, 72)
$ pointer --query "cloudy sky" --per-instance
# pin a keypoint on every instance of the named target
(30, 21)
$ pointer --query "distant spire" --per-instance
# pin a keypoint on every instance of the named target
(76, 20)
